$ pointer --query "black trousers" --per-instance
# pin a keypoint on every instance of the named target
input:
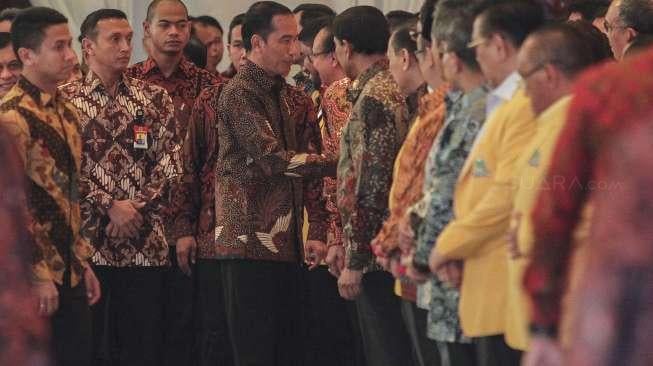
(213, 346)
(178, 315)
(457, 354)
(128, 319)
(333, 335)
(71, 338)
(264, 312)
(425, 351)
(385, 338)
(493, 351)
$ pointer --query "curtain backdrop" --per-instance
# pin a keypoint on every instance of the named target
(223, 10)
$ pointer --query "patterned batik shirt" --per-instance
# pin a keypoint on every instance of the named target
(45, 131)
(23, 333)
(370, 142)
(333, 116)
(184, 85)
(464, 118)
(408, 176)
(199, 157)
(267, 169)
(128, 154)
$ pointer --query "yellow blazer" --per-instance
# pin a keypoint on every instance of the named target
(482, 207)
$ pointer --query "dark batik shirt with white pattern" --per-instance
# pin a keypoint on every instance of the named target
(115, 167)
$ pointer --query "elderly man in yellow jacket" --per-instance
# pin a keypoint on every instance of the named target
(548, 62)
(485, 188)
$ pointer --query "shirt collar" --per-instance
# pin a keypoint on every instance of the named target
(359, 83)
(508, 87)
(185, 67)
(93, 82)
(40, 97)
(554, 109)
(260, 77)
(473, 95)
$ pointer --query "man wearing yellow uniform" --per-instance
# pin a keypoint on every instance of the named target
(484, 192)
(548, 63)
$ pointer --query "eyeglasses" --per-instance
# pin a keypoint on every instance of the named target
(524, 76)
(611, 27)
(312, 56)
(476, 42)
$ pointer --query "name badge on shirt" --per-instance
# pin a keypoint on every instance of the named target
(140, 137)
(534, 161)
(480, 169)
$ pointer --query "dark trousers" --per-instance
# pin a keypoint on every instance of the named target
(178, 315)
(493, 351)
(333, 335)
(264, 312)
(385, 338)
(425, 351)
(457, 354)
(71, 337)
(128, 319)
(213, 347)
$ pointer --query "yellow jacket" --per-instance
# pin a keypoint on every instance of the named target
(530, 180)
(482, 206)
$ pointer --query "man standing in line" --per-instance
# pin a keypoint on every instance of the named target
(44, 129)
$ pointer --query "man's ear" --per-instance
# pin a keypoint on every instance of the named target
(26, 56)
(405, 59)
(146, 28)
(87, 46)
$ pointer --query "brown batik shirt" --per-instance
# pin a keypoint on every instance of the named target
(45, 131)
(267, 169)
(184, 85)
(128, 154)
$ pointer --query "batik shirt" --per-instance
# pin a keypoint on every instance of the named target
(464, 118)
(129, 153)
(408, 177)
(267, 169)
(184, 85)
(370, 142)
(199, 157)
(607, 99)
(23, 333)
(332, 117)
(45, 131)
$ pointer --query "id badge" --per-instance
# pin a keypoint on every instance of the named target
(140, 137)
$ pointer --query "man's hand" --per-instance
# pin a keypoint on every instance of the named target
(315, 252)
(406, 236)
(93, 290)
(451, 273)
(349, 283)
(384, 262)
(511, 237)
(47, 296)
(398, 271)
(544, 351)
(335, 259)
(413, 273)
(436, 261)
(125, 216)
(186, 249)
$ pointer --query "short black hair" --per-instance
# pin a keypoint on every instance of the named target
(564, 46)
(151, 8)
(88, 29)
(328, 45)
(637, 14)
(312, 11)
(196, 52)
(312, 28)
(208, 21)
(641, 42)
(28, 29)
(596, 40)
(400, 18)
(9, 14)
(236, 21)
(453, 21)
(589, 9)
(426, 18)
(514, 19)
(5, 39)
(365, 28)
(402, 39)
(258, 20)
